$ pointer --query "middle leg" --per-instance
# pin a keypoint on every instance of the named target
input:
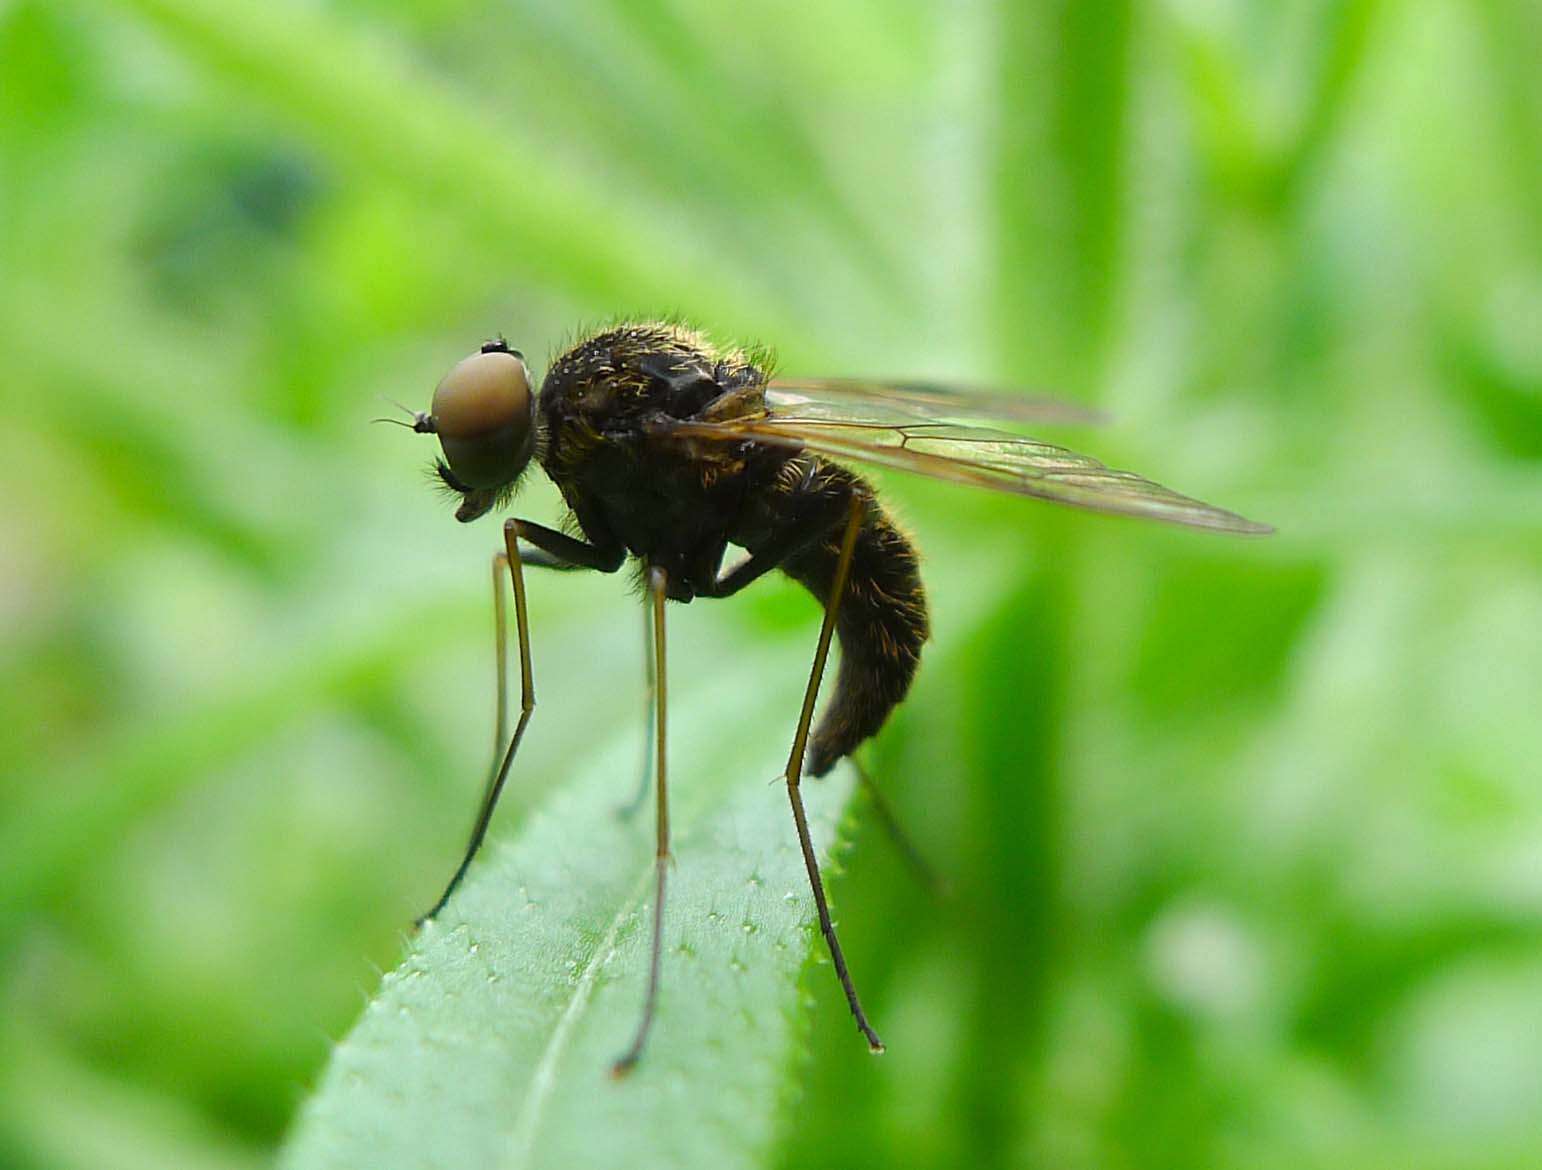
(645, 772)
(658, 585)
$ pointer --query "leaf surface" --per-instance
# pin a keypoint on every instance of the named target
(490, 1045)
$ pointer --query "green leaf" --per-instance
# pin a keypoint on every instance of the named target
(490, 1045)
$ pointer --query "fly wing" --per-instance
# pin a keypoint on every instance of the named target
(904, 402)
(976, 456)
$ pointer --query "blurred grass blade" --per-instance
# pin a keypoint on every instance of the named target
(75, 812)
(1059, 186)
(490, 1045)
(749, 143)
(370, 110)
(1345, 40)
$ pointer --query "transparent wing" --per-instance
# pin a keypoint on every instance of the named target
(976, 456)
(903, 402)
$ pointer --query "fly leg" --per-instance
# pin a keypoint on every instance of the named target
(658, 583)
(530, 558)
(568, 552)
(557, 550)
(511, 558)
(919, 866)
(794, 773)
(628, 810)
(553, 550)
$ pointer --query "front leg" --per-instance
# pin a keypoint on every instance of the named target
(604, 555)
(555, 550)
(536, 558)
(811, 516)
(510, 559)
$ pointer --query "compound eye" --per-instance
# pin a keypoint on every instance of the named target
(481, 413)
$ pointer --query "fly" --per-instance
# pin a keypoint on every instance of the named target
(667, 449)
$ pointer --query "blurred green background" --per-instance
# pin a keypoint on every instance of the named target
(1244, 838)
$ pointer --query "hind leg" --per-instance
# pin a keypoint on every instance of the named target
(794, 774)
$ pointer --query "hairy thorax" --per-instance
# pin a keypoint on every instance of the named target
(675, 503)
(678, 503)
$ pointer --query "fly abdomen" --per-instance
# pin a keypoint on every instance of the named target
(881, 625)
